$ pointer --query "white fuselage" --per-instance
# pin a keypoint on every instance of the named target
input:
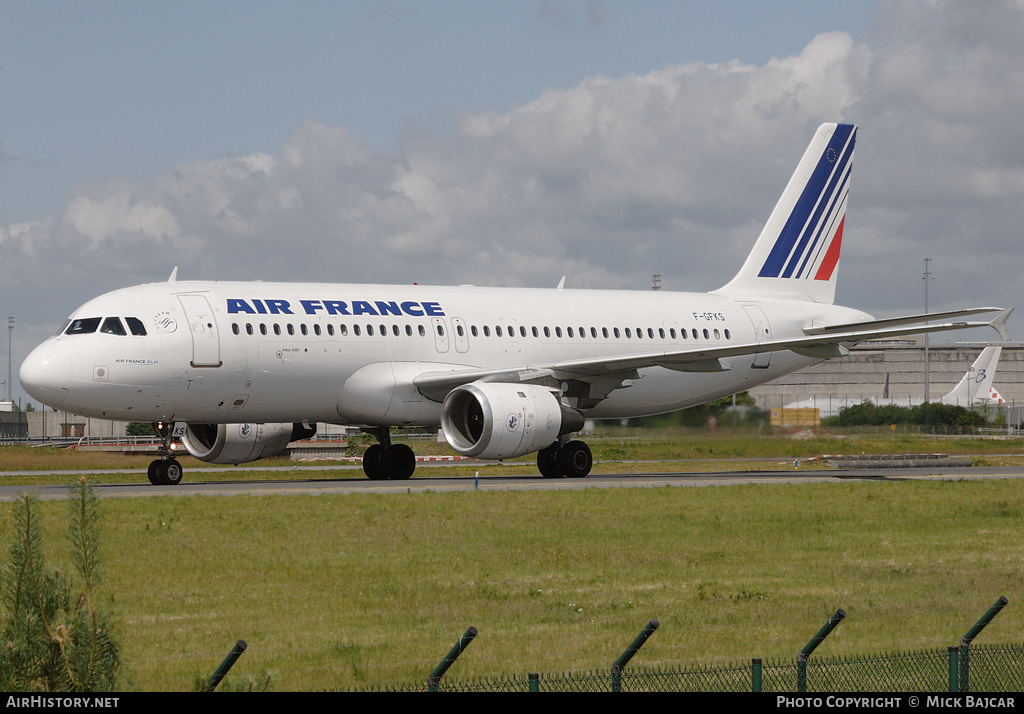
(278, 352)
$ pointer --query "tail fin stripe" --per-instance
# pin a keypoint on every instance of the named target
(834, 213)
(832, 256)
(839, 147)
(826, 204)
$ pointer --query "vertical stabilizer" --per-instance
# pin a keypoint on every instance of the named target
(976, 386)
(798, 250)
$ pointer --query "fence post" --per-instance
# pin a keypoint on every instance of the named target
(434, 678)
(966, 640)
(804, 654)
(623, 660)
(954, 669)
(756, 675)
(534, 681)
(228, 662)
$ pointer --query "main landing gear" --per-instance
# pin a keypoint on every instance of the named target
(165, 471)
(571, 458)
(386, 461)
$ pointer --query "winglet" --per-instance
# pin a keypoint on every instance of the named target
(999, 324)
(174, 275)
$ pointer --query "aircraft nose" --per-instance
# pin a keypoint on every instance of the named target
(46, 374)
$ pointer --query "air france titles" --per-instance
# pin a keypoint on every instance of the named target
(354, 308)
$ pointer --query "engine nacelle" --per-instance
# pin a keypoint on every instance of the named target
(241, 443)
(492, 420)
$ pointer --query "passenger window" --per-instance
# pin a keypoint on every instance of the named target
(135, 326)
(497, 331)
(234, 327)
(248, 329)
(291, 329)
(727, 335)
(113, 326)
(303, 329)
(277, 329)
(263, 329)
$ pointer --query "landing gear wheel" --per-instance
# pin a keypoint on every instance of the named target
(575, 459)
(547, 462)
(153, 478)
(165, 472)
(171, 472)
(400, 462)
(374, 463)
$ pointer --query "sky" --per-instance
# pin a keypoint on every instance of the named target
(499, 142)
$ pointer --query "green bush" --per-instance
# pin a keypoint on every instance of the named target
(54, 635)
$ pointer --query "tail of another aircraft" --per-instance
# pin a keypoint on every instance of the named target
(796, 255)
(976, 385)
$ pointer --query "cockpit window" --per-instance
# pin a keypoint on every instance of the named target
(83, 326)
(113, 326)
(63, 327)
(136, 326)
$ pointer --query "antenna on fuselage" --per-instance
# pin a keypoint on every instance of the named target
(561, 283)
(174, 275)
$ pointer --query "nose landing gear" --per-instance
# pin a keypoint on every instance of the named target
(165, 471)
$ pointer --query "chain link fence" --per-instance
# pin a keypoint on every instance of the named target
(982, 668)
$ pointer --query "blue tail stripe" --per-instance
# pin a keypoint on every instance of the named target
(808, 199)
(825, 227)
(827, 200)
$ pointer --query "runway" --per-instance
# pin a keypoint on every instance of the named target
(136, 486)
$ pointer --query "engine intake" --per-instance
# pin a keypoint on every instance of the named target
(489, 420)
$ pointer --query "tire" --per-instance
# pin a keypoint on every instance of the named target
(575, 459)
(400, 462)
(170, 472)
(373, 463)
(547, 462)
(154, 477)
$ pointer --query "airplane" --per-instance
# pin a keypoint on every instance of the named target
(234, 371)
(974, 389)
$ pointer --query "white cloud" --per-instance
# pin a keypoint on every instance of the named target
(672, 171)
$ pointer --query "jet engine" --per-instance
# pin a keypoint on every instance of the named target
(491, 420)
(240, 443)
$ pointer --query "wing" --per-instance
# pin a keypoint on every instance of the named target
(595, 378)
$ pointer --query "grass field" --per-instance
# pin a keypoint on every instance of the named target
(355, 590)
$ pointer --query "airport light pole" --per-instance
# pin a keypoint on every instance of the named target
(927, 365)
(10, 331)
